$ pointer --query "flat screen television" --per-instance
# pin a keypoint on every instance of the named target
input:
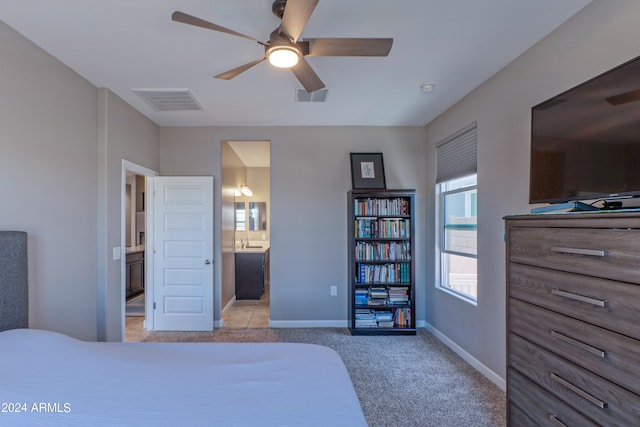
(585, 142)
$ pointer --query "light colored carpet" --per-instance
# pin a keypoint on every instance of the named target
(400, 380)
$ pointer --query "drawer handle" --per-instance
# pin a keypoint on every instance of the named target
(599, 403)
(556, 421)
(578, 344)
(578, 297)
(578, 251)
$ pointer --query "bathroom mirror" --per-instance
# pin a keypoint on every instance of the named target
(257, 216)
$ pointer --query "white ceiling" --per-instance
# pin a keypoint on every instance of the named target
(254, 154)
(126, 44)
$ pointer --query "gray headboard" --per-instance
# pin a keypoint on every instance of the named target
(14, 297)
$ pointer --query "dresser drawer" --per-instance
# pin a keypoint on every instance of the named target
(517, 418)
(530, 405)
(605, 353)
(606, 303)
(595, 397)
(608, 253)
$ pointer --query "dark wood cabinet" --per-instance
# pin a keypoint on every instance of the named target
(573, 298)
(381, 262)
(134, 273)
(252, 274)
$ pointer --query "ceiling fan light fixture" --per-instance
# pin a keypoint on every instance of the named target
(283, 56)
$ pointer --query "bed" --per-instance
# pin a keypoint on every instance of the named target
(47, 378)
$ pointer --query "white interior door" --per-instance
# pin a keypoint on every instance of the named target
(183, 253)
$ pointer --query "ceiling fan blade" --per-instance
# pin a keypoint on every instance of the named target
(296, 15)
(306, 76)
(192, 20)
(228, 75)
(624, 98)
(349, 47)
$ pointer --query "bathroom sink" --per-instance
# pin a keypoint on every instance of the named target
(253, 247)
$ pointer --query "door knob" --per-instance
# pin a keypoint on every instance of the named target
(207, 262)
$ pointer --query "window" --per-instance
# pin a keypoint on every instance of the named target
(458, 229)
(457, 221)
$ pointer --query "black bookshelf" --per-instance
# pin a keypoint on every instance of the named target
(381, 262)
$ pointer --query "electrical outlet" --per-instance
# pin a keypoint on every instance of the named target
(334, 291)
(116, 253)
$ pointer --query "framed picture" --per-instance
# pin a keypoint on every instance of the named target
(367, 171)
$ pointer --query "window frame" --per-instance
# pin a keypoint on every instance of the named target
(441, 239)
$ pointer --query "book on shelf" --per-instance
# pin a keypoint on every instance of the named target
(386, 324)
(384, 228)
(398, 272)
(383, 251)
(402, 317)
(381, 206)
(383, 316)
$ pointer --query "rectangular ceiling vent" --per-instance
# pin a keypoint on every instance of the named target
(316, 96)
(169, 99)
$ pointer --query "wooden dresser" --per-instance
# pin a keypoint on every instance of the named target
(573, 319)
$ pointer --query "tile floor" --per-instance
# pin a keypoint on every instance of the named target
(242, 314)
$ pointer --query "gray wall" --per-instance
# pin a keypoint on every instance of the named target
(603, 35)
(61, 150)
(234, 174)
(310, 177)
(125, 134)
(48, 176)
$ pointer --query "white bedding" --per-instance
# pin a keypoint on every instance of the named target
(52, 379)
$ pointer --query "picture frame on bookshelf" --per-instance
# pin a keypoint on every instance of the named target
(367, 171)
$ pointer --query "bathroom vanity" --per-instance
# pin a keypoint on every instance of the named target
(252, 270)
(134, 270)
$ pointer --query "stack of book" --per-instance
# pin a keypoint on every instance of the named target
(365, 318)
(398, 295)
(384, 319)
(362, 296)
(378, 295)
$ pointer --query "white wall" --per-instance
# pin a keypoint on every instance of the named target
(310, 177)
(603, 35)
(47, 171)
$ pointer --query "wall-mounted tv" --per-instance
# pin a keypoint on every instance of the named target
(585, 142)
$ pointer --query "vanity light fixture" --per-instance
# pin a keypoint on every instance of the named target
(246, 191)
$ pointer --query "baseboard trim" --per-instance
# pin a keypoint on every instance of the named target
(479, 366)
(220, 323)
(229, 304)
(308, 324)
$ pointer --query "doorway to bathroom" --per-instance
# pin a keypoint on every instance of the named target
(246, 233)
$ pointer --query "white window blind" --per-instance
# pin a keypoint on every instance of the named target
(456, 155)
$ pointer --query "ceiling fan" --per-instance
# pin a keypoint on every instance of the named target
(286, 50)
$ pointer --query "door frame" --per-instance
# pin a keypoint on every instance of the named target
(148, 213)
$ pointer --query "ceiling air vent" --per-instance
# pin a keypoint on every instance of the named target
(169, 99)
(315, 96)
